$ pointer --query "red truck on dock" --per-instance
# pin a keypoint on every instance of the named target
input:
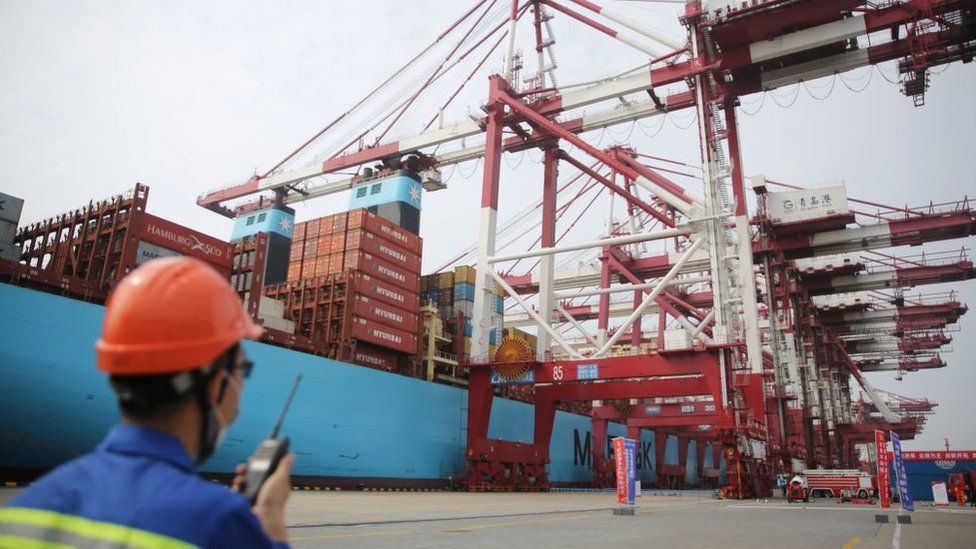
(825, 483)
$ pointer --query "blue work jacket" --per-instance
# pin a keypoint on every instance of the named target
(137, 489)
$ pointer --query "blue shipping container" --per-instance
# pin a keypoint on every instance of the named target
(493, 336)
(463, 292)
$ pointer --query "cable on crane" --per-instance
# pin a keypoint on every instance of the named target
(416, 82)
(372, 94)
(796, 95)
(625, 140)
(883, 75)
(869, 75)
(466, 177)
(508, 162)
(762, 102)
(603, 133)
(437, 71)
(656, 132)
(671, 117)
(830, 88)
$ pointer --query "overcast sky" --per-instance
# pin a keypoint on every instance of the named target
(188, 96)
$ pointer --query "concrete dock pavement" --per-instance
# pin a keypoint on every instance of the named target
(542, 520)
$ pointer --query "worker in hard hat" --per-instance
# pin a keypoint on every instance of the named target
(171, 346)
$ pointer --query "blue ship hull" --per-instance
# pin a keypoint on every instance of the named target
(349, 425)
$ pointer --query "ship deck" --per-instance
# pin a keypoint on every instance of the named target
(448, 519)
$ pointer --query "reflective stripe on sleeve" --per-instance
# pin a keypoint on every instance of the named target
(30, 543)
(44, 529)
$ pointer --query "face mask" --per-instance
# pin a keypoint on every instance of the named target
(221, 429)
(216, 428)
(222, 424)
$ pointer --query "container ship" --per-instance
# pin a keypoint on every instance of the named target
(721, 321)
(382, 403)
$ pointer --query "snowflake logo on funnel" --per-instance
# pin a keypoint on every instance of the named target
(285, 225)
(414, 194)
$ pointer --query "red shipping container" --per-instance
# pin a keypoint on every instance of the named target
(324, 244)
(322, 265)
(339, 223)
(384, 249)
(298, 234)
(385, 314)
(353, 238)
(375, 357)
(326, 225)
(294, 271)
(374, 266)
(354, 219)
(384, 336)
(308, 269)
(338, 243)
(296, 250)
(384, 291)
(312, 229)
(335, 263)
(398, 235)
(310, 249)
(186, 241)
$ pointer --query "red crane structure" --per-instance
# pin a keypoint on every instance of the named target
(739, 330)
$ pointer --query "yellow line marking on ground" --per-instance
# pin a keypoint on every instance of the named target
(359, 535)
(852, 543)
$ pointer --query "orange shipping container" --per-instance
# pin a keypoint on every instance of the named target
(339, 223)
(336, 262)
(308, 269)
(299, 233)
(310, 249)
(296, 251)
(322, 265)
(354, 219)
(294, 271)
(312, 229)
(326, 227)
(324, 243)
(338, 243)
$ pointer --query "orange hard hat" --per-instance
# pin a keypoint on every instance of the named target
(171, 315)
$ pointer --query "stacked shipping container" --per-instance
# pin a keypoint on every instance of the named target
(10, 208)
(453, 295)
(353, 286)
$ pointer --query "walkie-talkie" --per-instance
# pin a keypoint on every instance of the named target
(265, 460)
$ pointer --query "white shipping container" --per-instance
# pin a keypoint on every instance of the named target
(10, 208)
(9, 252)
(806, 205)
(147, 251)
(8, 230)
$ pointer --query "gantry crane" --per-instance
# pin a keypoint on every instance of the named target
(744, 358)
